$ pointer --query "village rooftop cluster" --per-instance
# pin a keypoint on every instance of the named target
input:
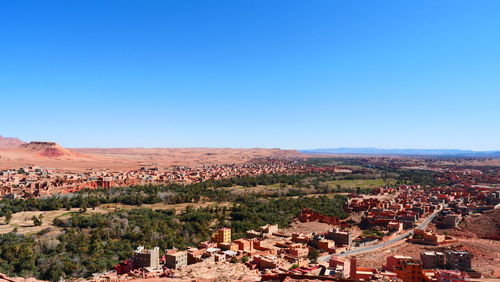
(392, 214)
(35, 181)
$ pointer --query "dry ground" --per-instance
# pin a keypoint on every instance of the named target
(133, 158)
(209, 271)
(486, 255)
(306, 227)
(485, 225)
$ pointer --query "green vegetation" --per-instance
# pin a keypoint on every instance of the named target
(216, 191)
(149, 194)
(8, 216)
(371, 232)
(37, 221)
(361, 183)
(245, 259)
(384, 171)
(313, 254)
(254, 212)
(415, 177)
(95, 242)
(92, 243)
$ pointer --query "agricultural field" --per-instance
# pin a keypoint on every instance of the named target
(361, 183)
(313, 186)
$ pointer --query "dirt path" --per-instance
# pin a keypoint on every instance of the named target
(24, 223)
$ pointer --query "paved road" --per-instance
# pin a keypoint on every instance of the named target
(394, 240)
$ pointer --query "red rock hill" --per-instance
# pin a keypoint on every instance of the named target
(48, 150)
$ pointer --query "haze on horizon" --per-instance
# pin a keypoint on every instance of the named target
(245, 74)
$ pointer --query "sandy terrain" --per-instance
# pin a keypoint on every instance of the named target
(4, 277)
(306, 227)
(185, 156)
(129, 158)
(486, 226)
(221, 271)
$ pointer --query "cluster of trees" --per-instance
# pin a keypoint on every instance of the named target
(255, 212)
(94, 242)
(171, 193)
(402, 176)
(420, 177)
(301, 184)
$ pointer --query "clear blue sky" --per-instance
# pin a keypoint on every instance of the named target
(289, 74)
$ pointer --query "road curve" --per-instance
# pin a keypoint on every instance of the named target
(394, 240)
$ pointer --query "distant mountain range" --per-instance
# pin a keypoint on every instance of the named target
(405, 152)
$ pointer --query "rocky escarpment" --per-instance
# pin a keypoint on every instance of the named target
(47, 149)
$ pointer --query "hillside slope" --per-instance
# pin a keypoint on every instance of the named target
(10, 142)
